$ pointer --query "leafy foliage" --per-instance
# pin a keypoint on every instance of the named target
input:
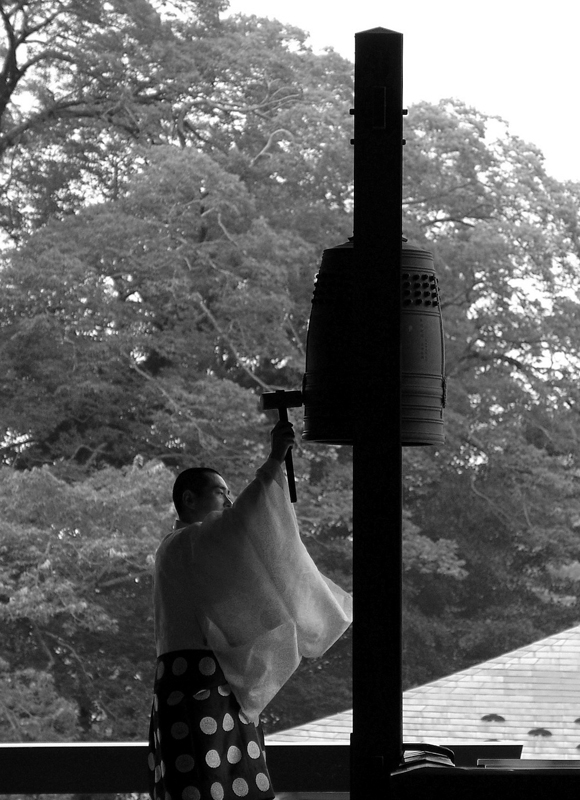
(75, 588)
(504, 488)
(167, 200)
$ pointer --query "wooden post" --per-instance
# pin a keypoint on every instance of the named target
(376, 742)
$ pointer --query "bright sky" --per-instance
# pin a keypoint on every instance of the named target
(512, 58)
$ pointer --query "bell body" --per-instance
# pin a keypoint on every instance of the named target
(423, 390)
(328, 385)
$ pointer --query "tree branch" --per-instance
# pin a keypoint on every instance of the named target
(271, 139)
(10, 74)
(295, 334)
(197, 298)
(203, 437)
(124, 579)
(496, 511)
(43, 645)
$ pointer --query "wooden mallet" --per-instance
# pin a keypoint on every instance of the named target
(282, 401)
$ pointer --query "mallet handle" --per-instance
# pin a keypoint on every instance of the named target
(288, 460)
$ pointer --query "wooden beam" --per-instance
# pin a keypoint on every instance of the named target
(377, 504)
(103, 768)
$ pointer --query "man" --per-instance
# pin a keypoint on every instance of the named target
(238, 603)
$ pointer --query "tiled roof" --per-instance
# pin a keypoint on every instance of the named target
(330, 730)
(531, 695)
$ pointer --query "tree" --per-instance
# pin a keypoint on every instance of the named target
(75, 591)
(215, 216)
(504, 238)
(159, 281)
(101, 78)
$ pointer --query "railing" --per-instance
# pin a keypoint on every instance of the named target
(103, 768)
(121, 768)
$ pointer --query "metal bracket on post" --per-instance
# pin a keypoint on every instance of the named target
(376, 742)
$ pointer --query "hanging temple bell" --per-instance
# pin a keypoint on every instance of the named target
(330, 350)
(330, 355)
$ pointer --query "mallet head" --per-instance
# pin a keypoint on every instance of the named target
(280, 400)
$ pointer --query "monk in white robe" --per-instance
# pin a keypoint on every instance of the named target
(238, 603)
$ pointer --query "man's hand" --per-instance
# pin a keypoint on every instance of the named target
(282, 438)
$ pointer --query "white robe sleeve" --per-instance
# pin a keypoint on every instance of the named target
(259, 597)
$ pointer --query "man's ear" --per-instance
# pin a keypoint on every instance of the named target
(189, 499)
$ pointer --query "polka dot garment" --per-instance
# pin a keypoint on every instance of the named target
(201, 745)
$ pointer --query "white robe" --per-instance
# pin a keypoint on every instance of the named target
(242, 584)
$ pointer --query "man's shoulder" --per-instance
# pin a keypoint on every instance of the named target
(178, 536)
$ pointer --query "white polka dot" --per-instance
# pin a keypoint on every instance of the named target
(151, 761)
(253, 750)
(163, 769)
(179, 666)
(158, 735)
(208, 725)
(191, 793)
(262, 782)
(184, 763)
(175, 698)
(212, 759)
(224, 690)
(240, 787)
(243, 717)
(160, 670)
(207, 666)
(179, 730)
(234, 754)
(203, 694)
(228, 722)
(217, 791)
